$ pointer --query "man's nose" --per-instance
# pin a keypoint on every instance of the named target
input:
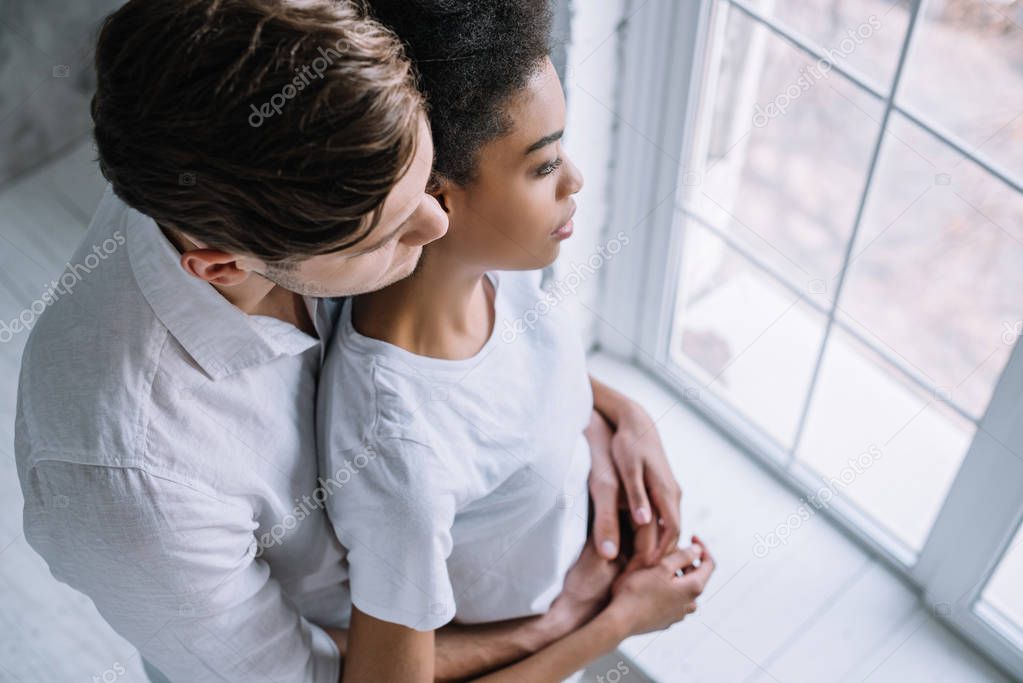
(428, 223)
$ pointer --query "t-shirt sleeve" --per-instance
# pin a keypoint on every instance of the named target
(394, 516)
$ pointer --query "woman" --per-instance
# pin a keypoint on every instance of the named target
(447, 483)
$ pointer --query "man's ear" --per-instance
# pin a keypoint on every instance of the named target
(216, 267)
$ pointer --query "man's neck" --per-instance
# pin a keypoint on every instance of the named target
(282, 304)
(444, 310)
(256, 295)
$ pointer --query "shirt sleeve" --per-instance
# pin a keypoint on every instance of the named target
(395, 517)
(173, 570)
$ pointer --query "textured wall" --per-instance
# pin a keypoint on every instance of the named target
(45, 77)
(561, 36)
(591, 87)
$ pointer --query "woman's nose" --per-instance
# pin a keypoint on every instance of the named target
(573, 177)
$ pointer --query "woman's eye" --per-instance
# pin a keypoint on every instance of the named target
(549, 167)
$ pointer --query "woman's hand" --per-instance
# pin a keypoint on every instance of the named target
(653, 598)
(644, 599)
(586, 590)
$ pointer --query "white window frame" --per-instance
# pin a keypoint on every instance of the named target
(665, 45)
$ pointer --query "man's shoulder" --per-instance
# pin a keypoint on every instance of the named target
(91, 352)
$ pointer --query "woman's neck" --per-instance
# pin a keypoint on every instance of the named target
(443, 310)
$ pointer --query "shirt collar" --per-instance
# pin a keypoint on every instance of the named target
(216, 334)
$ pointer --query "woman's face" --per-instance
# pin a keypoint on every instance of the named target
(517, 210)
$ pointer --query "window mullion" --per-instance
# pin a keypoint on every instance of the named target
(889, 102)
(979, 517)
(862, 82)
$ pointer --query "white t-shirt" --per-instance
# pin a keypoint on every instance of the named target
(461, 484)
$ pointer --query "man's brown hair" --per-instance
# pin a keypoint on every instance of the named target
(274, 128)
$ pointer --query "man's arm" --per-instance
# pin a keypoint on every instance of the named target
(573, 652)
(460, 652)
(464, 652)
(173, 570)
(638, 465)
(645, 599)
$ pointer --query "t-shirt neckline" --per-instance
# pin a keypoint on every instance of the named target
(361, 343)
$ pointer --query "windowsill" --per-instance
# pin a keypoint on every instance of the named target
(816, 608)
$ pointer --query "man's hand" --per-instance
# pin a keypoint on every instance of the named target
(633, 462)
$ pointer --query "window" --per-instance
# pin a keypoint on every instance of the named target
(827, 205)
(1002, 599)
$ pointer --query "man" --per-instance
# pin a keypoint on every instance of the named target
(263, 156)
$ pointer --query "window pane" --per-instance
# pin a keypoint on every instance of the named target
(1004, 591)
(894, 448)
(865, 36)
(965, 71)
(745, 337)
(936, 275)
(785, 157)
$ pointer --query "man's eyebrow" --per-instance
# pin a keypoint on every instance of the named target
(544, 141)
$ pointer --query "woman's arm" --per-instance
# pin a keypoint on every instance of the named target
(646, 599)
(573, 652)
(382, 651)
(467, 651)
(464, 651)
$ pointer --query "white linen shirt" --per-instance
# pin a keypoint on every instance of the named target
(166, 450)
(464, 481)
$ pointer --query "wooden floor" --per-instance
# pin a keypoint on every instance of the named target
(818, 609)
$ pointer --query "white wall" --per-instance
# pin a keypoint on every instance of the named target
(591, 88)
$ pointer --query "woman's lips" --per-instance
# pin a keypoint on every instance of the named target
(564, 232)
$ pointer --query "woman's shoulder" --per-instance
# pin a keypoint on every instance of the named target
(531, 307)
(365, 395)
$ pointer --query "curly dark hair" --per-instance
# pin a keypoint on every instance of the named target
(472, 56)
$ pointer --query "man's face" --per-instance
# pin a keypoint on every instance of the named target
(410, 219)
